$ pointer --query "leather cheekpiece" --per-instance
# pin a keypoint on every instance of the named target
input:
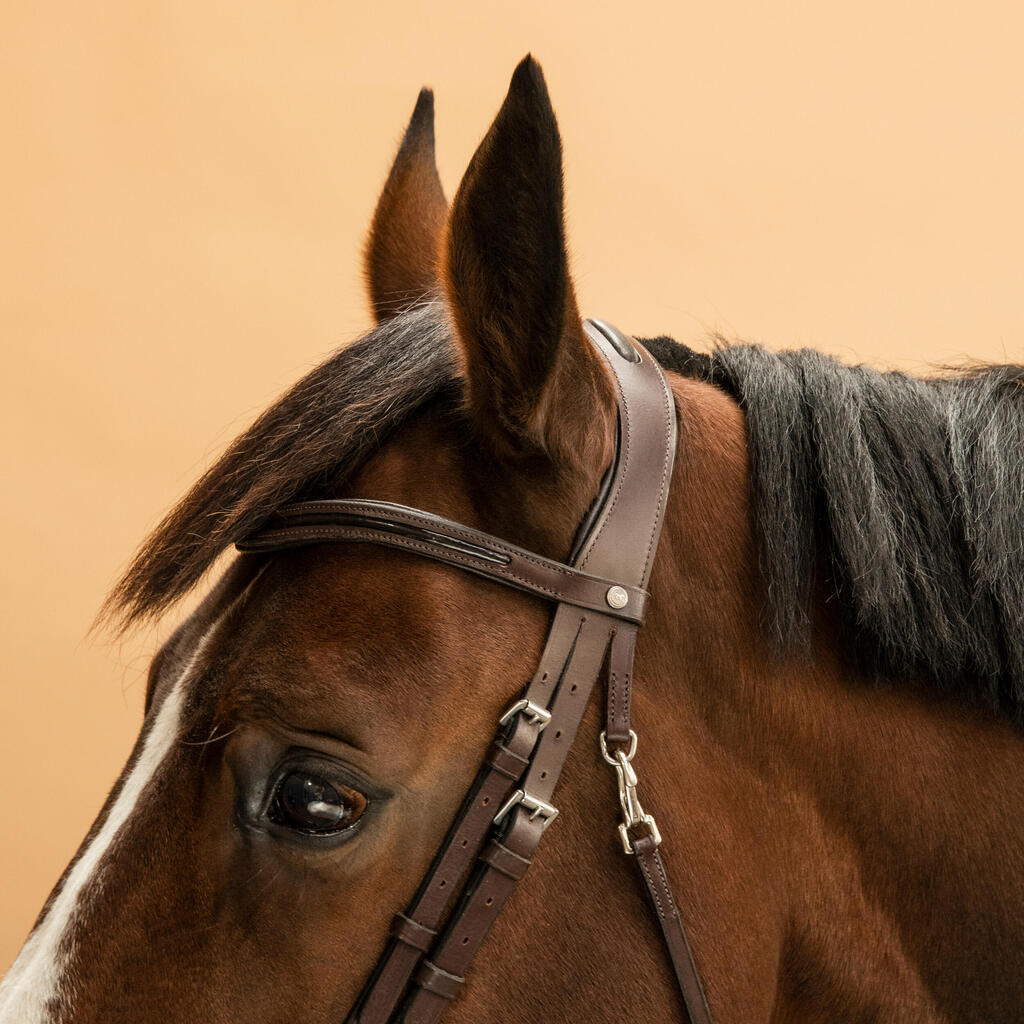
(600, 601)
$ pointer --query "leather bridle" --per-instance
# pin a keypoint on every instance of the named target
(600, 598)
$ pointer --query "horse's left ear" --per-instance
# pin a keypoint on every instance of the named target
(536, 387)
(402, 250)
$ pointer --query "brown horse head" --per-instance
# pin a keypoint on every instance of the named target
(826, 682)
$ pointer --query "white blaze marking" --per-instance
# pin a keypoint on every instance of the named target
(31, 993)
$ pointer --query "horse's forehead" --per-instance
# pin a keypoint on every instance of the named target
(425, 465)
(383, 639)
(370, 643)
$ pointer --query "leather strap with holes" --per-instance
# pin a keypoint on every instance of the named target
(472, 826)
(600, 602)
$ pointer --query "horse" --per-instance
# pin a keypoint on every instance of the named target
(828, 687)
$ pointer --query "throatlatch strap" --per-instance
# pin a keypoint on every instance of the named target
(601, 599)
(664, 905)
(619, 684)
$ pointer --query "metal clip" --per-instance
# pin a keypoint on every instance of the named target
(610, 756)
(632, 813)
(538, 716)
(538, 808)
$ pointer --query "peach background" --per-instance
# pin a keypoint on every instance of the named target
(184, 193)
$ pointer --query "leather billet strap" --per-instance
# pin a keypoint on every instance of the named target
(600, 600)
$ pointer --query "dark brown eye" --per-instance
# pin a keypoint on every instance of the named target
(307, 802)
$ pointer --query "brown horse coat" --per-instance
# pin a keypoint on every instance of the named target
(841, 851)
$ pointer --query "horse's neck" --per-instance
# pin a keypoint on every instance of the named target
(816, 818)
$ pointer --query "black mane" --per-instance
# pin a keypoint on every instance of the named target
(909, 491)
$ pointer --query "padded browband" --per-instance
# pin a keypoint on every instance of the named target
(600, 600)
(409, 529)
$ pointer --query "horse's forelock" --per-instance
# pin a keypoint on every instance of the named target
(306, 444)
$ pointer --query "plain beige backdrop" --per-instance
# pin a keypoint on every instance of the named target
(184, 192)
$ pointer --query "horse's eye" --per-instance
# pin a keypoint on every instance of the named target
(306, 802)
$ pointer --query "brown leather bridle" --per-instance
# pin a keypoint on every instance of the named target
(600, 597)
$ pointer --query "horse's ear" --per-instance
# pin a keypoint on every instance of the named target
(535, 385)
(402, 250)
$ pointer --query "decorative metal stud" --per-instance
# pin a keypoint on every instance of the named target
(617, 597)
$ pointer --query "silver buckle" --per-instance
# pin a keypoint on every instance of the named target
(537, 808)
(538, 716)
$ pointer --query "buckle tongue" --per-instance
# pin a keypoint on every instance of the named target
(537, 715)
(537, 808)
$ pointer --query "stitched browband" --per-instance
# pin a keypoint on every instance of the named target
(396, 526)
(600, 601)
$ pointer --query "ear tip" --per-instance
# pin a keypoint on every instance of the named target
(529, 69)
(522, 145)
(528, 80)
(418, 140)
(528, 98)
(422, 120)
(424, 102)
